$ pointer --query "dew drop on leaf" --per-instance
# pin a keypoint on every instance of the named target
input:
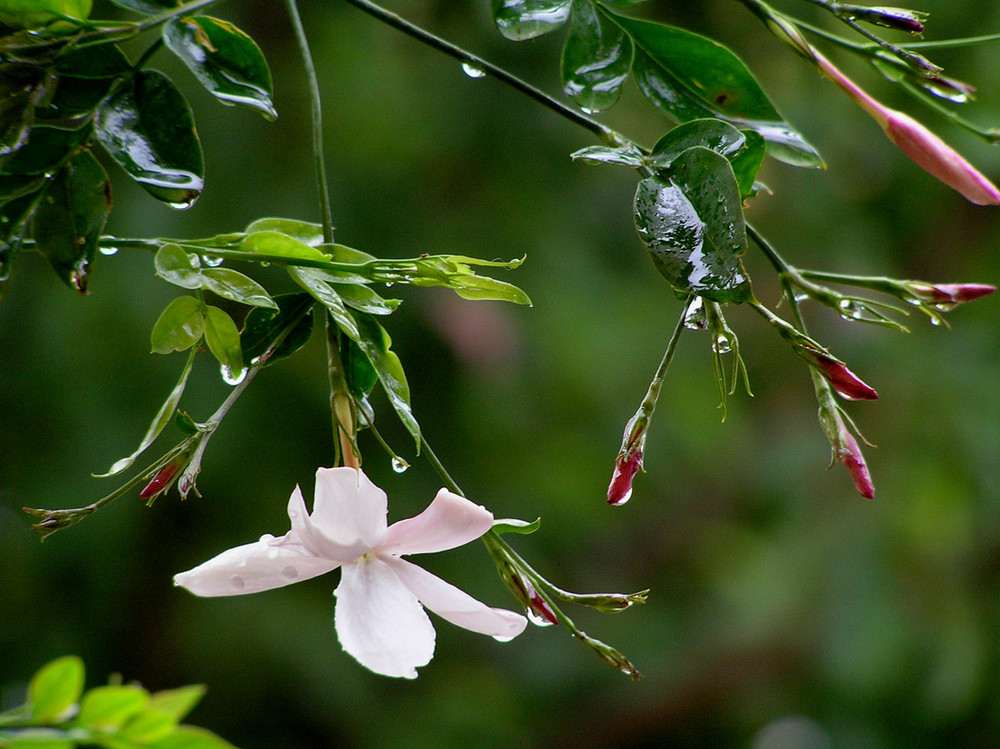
(399, 465)
(232, 379)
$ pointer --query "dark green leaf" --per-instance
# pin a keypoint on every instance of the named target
(164, 415)
(692, 224)
(147, 6)
(690, 76)
(14, 217)
(147, 127)
(226, 61)
(233, 285)
(55, 689)
(223, 339)
(358, 371)
(715, 135)
(314, 281)
(262, 326)
(746, 164)
(47, 150)
(68, 221)
(596, 59)
(526, 19)
(178, 267)
(179, 327)
(100, 61)
(375, 343)
(107, 708)
(22, 87)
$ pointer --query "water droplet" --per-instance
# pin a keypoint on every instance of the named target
(537, 619)
(237, 582)
(587, 110)
(504, 638)
(722, 344)
(229, 377)
(181, 206)
(472, 71)
(695, 318)
(850, 310)
(935, 320)
(212, 261)
(399, 465)
(624, 498)
(289, 573)
(109, 250)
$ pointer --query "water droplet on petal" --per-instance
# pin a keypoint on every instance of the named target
(232, 379)
(537, 619)
(472, 71)
(399, 465)
(290, 573)
(237, 582)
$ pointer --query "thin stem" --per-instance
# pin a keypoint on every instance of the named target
(606, 134)
(341, 403)
(438, 466)
(317, 121)
(649, 402)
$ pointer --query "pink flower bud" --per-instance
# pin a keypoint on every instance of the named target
(160, 482)
(846, 384)
(539, 610)
(849, 454)
(950, 293)
(925, 148)
(900, 19)
(626, 466)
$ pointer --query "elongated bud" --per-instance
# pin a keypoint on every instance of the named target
(629, 460)
(846, 450)
(846, 384)
(160, 482)
(901, 19)
(949, 293)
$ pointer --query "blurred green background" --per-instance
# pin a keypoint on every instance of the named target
(785, 610)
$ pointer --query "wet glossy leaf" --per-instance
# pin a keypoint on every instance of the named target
(22, 87)
(108, 707)
(358, 371)
(225, 60)
(223, 339)
(262, 326)
(55, 689)
(166, 412)
(147, 6)
(712, 134)
(179, 327)
(374, 341)
(147, 127)
(47, 150)
(361, 297)
(303, 231)
(14, 217)
(526, 19)
(454, 272)
(233, 285)
(70, 218)
(269, 242)
(314, 281)
(178, 267)
(746, 164)
(30, 14)
(596, 59)
(691, 221)
(100, 61)
(625, 155)
(690, 76)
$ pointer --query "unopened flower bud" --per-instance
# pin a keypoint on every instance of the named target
(160, 482)
(846, 384)
(925, 148)
(538, 609)
(949, 293)
(846, 451)
(900, 19)
(629, 460)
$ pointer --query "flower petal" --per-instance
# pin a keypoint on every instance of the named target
(380, 622)
(348, 517)
(449, 521)
(458, 607)
(251, 568)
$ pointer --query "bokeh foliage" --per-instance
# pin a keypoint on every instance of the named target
(781, 604)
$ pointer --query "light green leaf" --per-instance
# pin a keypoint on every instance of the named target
(178, 267)
(359, 296)
(513, 525)
(107, 708)
(374, 341)
(55, 689)
(190, 737)
(150, 725)
(177, 702)
(303, 231)
(179, 327)
(223, 339)
(162, 418)
(282, 245)
(37, 738)
(314, 281)
(231, 284)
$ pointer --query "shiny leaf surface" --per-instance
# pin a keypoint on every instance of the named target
(70, 218)
(692, 224)
(225, 60)
(596, 59)
(315, 283)
(262, 326)
(147, 127)
(525, 19)
(223, 339)
(179, 327)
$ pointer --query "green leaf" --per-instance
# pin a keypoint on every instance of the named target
(303, 231)
(150, 7)
(233, 285)
(25, 14)
(106, 708)
(147, 127)
(690, 76)
(692, 224)
(67, 224)
(746, 164)
(150, 725)
(513, 525)
(175, 265)
(715, 135)
(454, 272)
(14, 217)
(358, 371)
(163, 416)
(269, 242)
(314, 281)
(22, 87)
(47, 150)
(37, 738)
(55, 689)
(375, 343)
(526, 19)
(262, 326)
(225, 60)
(180, 326)
(223, 339)
(628, 155)
(596, 59)
(359, 296)
(191, 737)
(177, 702)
